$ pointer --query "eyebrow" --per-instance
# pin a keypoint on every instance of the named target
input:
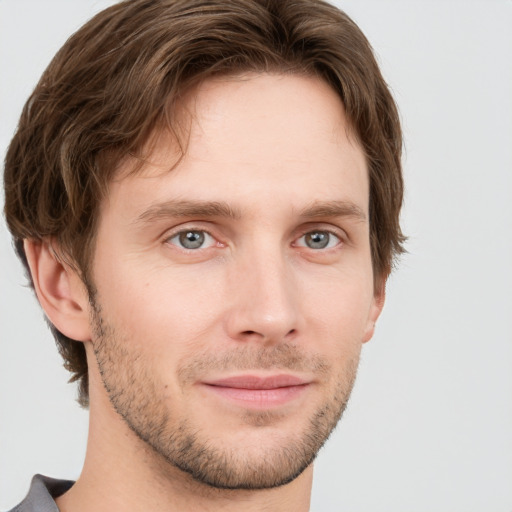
(187, 209)
(178, 209)
(334, 209)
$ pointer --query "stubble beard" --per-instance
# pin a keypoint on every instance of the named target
(134, 393)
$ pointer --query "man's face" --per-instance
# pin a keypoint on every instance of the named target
(233, 292)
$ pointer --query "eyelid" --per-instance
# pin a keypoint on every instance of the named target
(330, 233)
(209, 241)
(336, 231)
(187, 227)
(327, 228)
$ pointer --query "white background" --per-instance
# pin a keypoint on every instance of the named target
(429, 427)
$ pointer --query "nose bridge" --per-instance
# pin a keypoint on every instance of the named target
(265, 295)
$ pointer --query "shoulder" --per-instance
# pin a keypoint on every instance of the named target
(40, 497)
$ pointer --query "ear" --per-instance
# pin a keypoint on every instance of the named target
(60, 291)
(379, 297)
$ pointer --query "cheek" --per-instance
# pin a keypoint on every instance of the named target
(156, 304)
(339, 310)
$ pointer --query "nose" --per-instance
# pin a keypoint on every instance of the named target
(264, 299)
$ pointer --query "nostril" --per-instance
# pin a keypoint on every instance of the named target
(291, 332)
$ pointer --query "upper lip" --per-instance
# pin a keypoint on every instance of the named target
(256, 382)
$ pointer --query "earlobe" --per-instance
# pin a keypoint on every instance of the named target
(379, 298)
(60, 291)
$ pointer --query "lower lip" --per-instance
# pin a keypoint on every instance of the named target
(259, 398)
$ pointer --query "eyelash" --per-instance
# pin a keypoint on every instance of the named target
(329, 232)
(176, 236)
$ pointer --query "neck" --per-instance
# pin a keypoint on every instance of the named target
(121, 472)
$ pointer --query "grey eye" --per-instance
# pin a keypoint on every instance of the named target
(318, 240)
(192, 239)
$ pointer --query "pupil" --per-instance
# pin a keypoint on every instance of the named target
(317, 240)
(192, 239)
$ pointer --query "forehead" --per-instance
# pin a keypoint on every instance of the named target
(247, 137)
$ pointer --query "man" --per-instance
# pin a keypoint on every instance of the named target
(206, 196)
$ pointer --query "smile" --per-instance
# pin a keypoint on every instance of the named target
(254, 392)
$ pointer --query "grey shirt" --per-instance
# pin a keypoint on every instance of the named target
(40, 497)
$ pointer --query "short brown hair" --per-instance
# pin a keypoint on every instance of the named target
(124, 72)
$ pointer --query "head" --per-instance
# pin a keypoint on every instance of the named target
(131, 98)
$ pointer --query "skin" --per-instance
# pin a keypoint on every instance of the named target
(261, 297)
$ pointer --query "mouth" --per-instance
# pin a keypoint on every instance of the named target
(251, 391)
